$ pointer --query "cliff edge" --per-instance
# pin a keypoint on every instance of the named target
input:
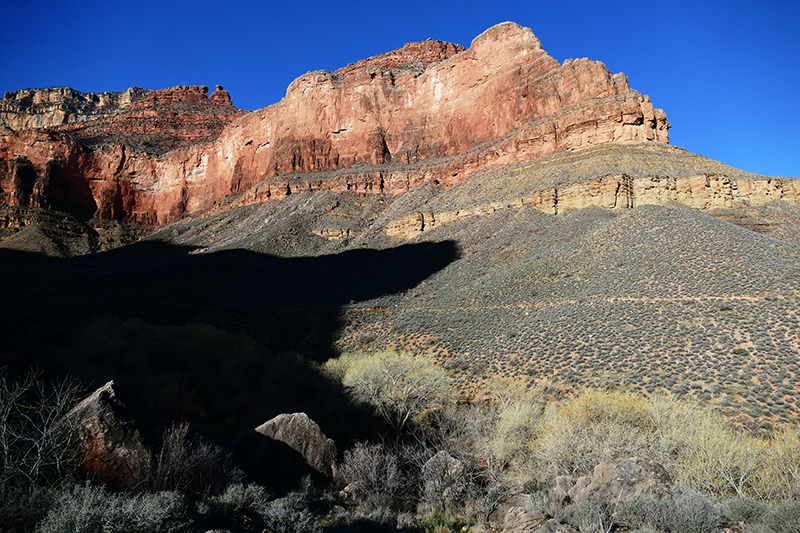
(427, 112)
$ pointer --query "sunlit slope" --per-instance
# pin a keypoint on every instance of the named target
(701, 302)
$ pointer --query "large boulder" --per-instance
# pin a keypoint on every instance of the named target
(281, 451)
(303, 435)
(115, 436)
(622, 480)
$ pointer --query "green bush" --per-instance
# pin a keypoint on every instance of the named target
(397, 386)
(696, 446)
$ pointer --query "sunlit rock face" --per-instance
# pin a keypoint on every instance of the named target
(427, 112)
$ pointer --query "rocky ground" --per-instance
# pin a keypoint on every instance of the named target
(699, 303)
(658, 299)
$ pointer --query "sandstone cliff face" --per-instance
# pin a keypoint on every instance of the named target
(501, 101)
(54, 106)
(427, 112)
(620, 191)
(413, 57)
(108, 167)
(160, 121)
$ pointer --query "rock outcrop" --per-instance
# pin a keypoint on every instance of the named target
(429, 112)
(618, 191)
(414, 57)
(503, 100)
(519, 520)
(55, 106)
(283, 450)
(115, 438)
(622, 480)
(221, 97)
(160, 121)
(303, 435)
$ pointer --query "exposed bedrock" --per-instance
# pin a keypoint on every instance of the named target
(503, 100)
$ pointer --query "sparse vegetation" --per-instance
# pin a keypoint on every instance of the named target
(451, 464)
(544, 345)
(397, 386)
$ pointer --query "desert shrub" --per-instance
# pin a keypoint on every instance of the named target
(783, 518)
(595, 427)
(687, 511)
(441, 522)
(291, 514)
(21, 510)
(487, 491)
(249, 505)
(239, 502)
(379, 507)
(780, 471)
(647, 528)
(719, 460)
(541, 499)
(516, 431)
(745, 509)
(371, 469)
(695, 445)
(187, 464)
(397, 386)
(444, 481)
(91, 509)
(589, 517)
(35, 444)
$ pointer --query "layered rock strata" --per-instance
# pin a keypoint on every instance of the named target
(55, 106)
(160, 121)
(503, 100)
(620, 191)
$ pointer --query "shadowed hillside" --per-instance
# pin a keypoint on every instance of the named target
(211, 337)
(654, 298)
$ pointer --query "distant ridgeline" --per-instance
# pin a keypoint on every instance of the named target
(429, 112)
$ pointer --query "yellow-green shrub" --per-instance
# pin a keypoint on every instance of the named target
(397, 386)
(696, 446)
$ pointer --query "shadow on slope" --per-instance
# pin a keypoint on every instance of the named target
(222, 339)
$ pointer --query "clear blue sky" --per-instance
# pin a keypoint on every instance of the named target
(726, 72)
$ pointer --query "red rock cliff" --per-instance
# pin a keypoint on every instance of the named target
(458, 111)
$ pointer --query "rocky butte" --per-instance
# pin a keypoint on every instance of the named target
(428, 112)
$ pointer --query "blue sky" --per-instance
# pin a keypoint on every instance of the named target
(726, 72)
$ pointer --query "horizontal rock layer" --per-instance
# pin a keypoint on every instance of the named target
(54, 106)
(503, 100)
(619, 191)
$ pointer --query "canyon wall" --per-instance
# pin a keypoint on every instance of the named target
(429, 111)
(54, 106)
(620, 191)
